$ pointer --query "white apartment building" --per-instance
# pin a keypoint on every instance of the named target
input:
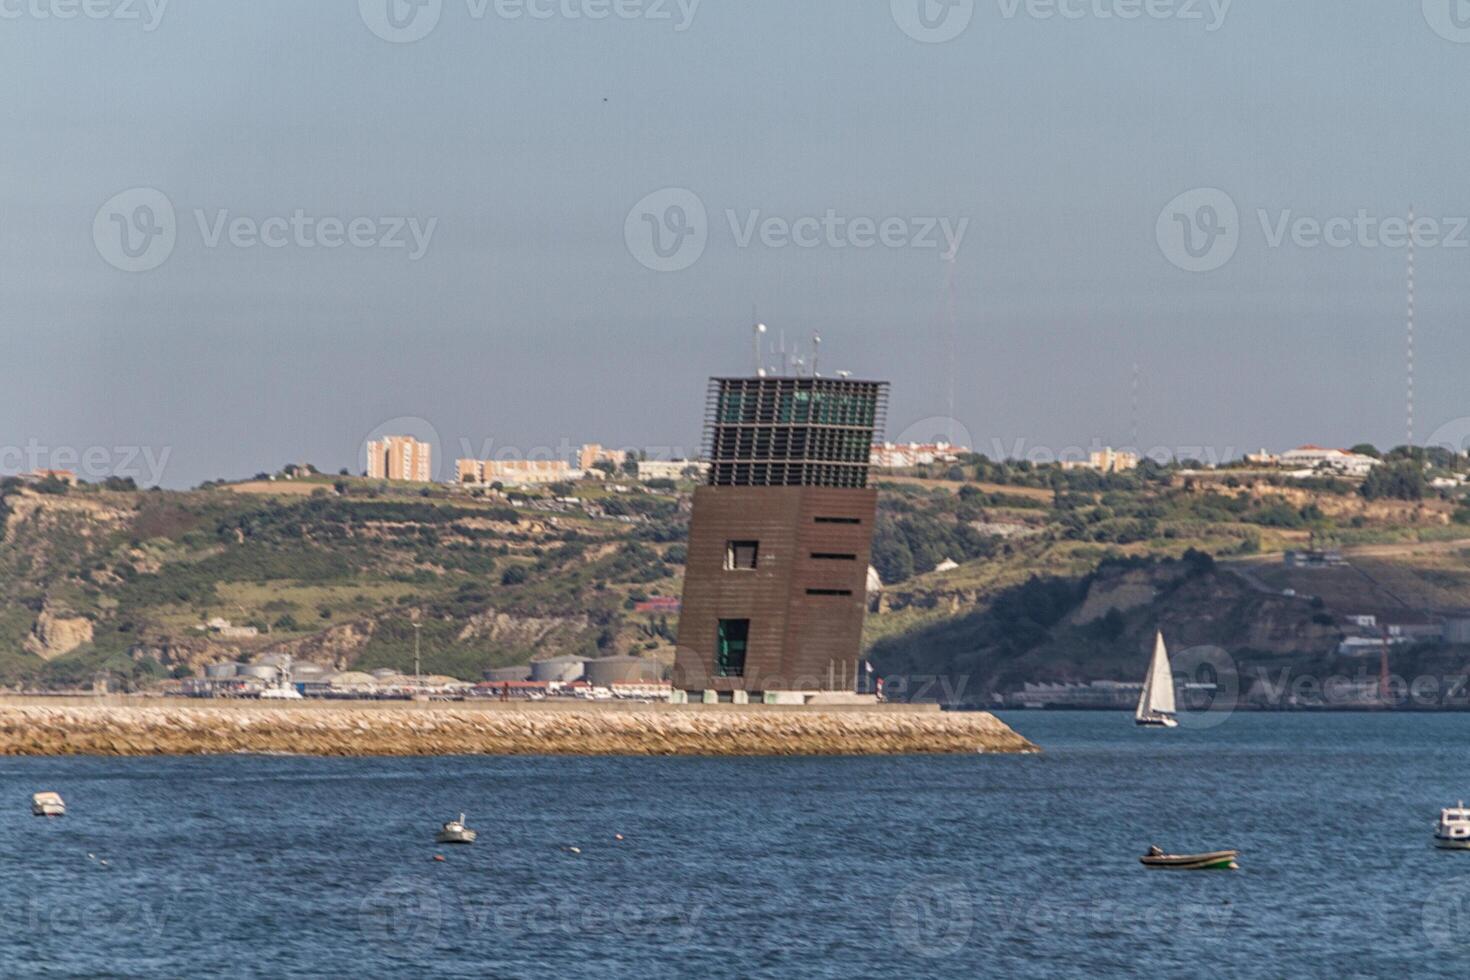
(1335, 460)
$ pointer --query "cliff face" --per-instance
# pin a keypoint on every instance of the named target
(56, 635)
(1102, 628)
(529, 632)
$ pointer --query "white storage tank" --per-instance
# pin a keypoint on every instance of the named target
(564, 669)
(622, 670)
(502, 674)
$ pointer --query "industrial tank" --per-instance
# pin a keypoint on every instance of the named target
(262, 671)
(565, 669)
(502, 674)
(622, 670)
(351, 679)
(219, 672)
(310, 671)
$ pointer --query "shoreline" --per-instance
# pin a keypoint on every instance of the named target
(148, 727)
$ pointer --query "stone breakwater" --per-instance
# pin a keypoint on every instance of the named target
(167, 728)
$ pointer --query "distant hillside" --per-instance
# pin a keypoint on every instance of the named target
(124, 581)
(114, 580)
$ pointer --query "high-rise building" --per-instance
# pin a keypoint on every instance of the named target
(780, 537)
(400, 458)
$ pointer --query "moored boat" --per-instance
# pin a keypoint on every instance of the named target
(1208, 861)
(1156, 702)
(455, 832)
(48, 805)
(1452, 833)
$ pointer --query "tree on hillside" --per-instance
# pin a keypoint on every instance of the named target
(1397, 481)
(1415, 454)
(1442, 457)
(53, 484)
(1366, 449)
(891, 554)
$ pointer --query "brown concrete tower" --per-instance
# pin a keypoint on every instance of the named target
(780, 539)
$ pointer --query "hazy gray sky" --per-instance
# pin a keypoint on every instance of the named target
(522, 139)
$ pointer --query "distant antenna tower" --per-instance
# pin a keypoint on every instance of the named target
(953, 339)
(1409, 347)
(1137, 383)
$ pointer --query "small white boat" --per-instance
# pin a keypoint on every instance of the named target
(1452, 833)
(1156, 703)
(48, 805)
(455, 832)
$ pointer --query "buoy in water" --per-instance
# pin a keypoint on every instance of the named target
(617, 836)
(438, 857)
(575, 850)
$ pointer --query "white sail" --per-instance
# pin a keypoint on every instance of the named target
(1158, 687)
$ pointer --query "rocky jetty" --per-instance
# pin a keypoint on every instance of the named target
(123, 727)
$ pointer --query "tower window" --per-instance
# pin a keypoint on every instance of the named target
(741, 556)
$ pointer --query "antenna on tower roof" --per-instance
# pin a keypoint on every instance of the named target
(816, 352)
(760, 331)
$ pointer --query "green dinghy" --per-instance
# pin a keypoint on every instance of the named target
(1210, 861)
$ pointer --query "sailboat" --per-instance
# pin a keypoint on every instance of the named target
(1156, 703)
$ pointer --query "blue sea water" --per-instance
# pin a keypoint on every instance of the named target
(1003, 866)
